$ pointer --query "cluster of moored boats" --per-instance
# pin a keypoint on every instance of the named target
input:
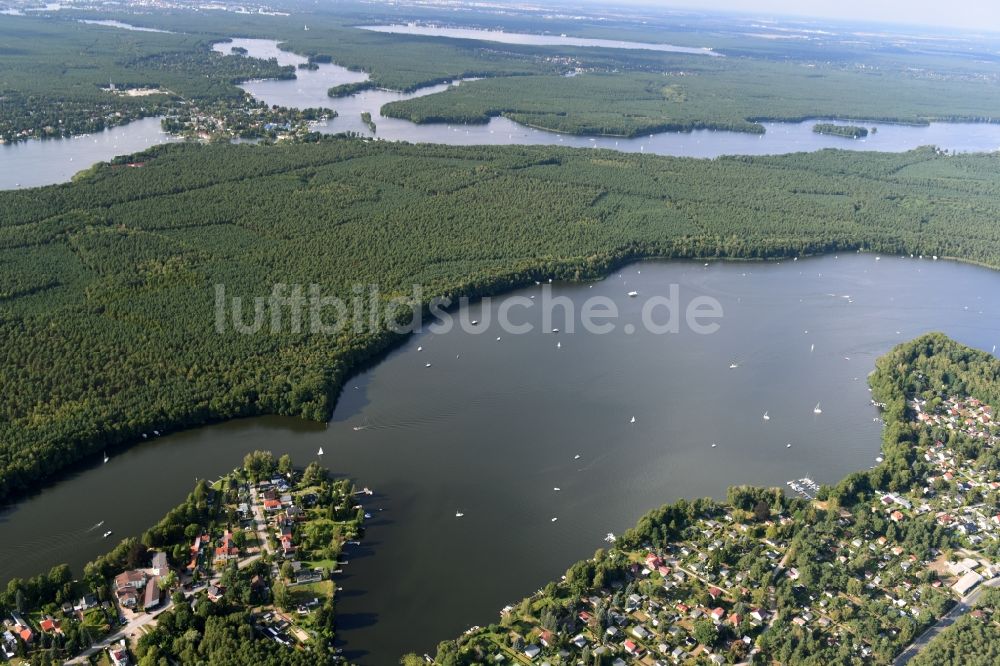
(805, 487)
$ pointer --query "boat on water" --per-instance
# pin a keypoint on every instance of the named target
(427, 365)
(733, 365)
(633, 294)
(767, 417)
(576, 457)
(320, 452)
(633, 420)
(106, 534)
(106, 458)
(714, 445)
(817, 410)
(474, 322)
(558, 345)
(610, 538)
(554, 519)
(788, 446)
(459, 514)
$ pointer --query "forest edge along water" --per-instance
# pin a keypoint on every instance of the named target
(798, 332)
(43, 162)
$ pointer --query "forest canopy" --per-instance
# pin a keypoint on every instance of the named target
(114, 274)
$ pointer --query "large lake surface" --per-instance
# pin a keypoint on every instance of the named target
(493, 426)
(531, 39)
(39, 162)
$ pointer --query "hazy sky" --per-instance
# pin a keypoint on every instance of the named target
(973, 14)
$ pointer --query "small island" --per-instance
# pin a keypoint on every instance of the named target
(366, 118)
(249, 559)
(846, 131)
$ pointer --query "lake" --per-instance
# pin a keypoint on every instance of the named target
(310, 90)
(46, 161)
(531, 39)
(43, 162)
(492, 427)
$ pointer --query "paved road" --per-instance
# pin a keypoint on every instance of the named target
(130, 629)
(964, 605)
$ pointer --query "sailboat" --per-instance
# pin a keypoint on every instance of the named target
(459, 514)
(734, 365)
(558, 345)
(812, 348)
(817, 410)
(633, 294)
(766, 417)
(106, 458)
(633, 420)
(320, 452)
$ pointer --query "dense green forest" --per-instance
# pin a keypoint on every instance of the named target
(107, 318)
(846, 131)
(617, 91)
(715, 93)
(974, 639)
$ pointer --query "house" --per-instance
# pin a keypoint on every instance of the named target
(87, 601)
(133, 578)
(532, 651)
(215, 592)
(896, 516)
(714, 592)
(226, 550)
(966, 583)
(641, 632)
(8, 645)
(633, 648)
(546, 638)
(717, 614)
(128, 598)
(151, 596)
(160, 566)
(50, 625)
(579, 641)
(118, 654)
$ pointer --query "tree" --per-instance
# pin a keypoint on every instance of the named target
(285, 464)
(282, 597)
(259, 464)
(705, 632)
(762, 511)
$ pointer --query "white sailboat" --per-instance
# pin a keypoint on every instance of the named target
(558, 345)
(459, 514)
(766, 416)
(633, 420)
(320, 452)
(106, 458)
(734, 365)
(817, 410)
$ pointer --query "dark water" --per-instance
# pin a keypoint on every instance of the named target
(493, 426)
